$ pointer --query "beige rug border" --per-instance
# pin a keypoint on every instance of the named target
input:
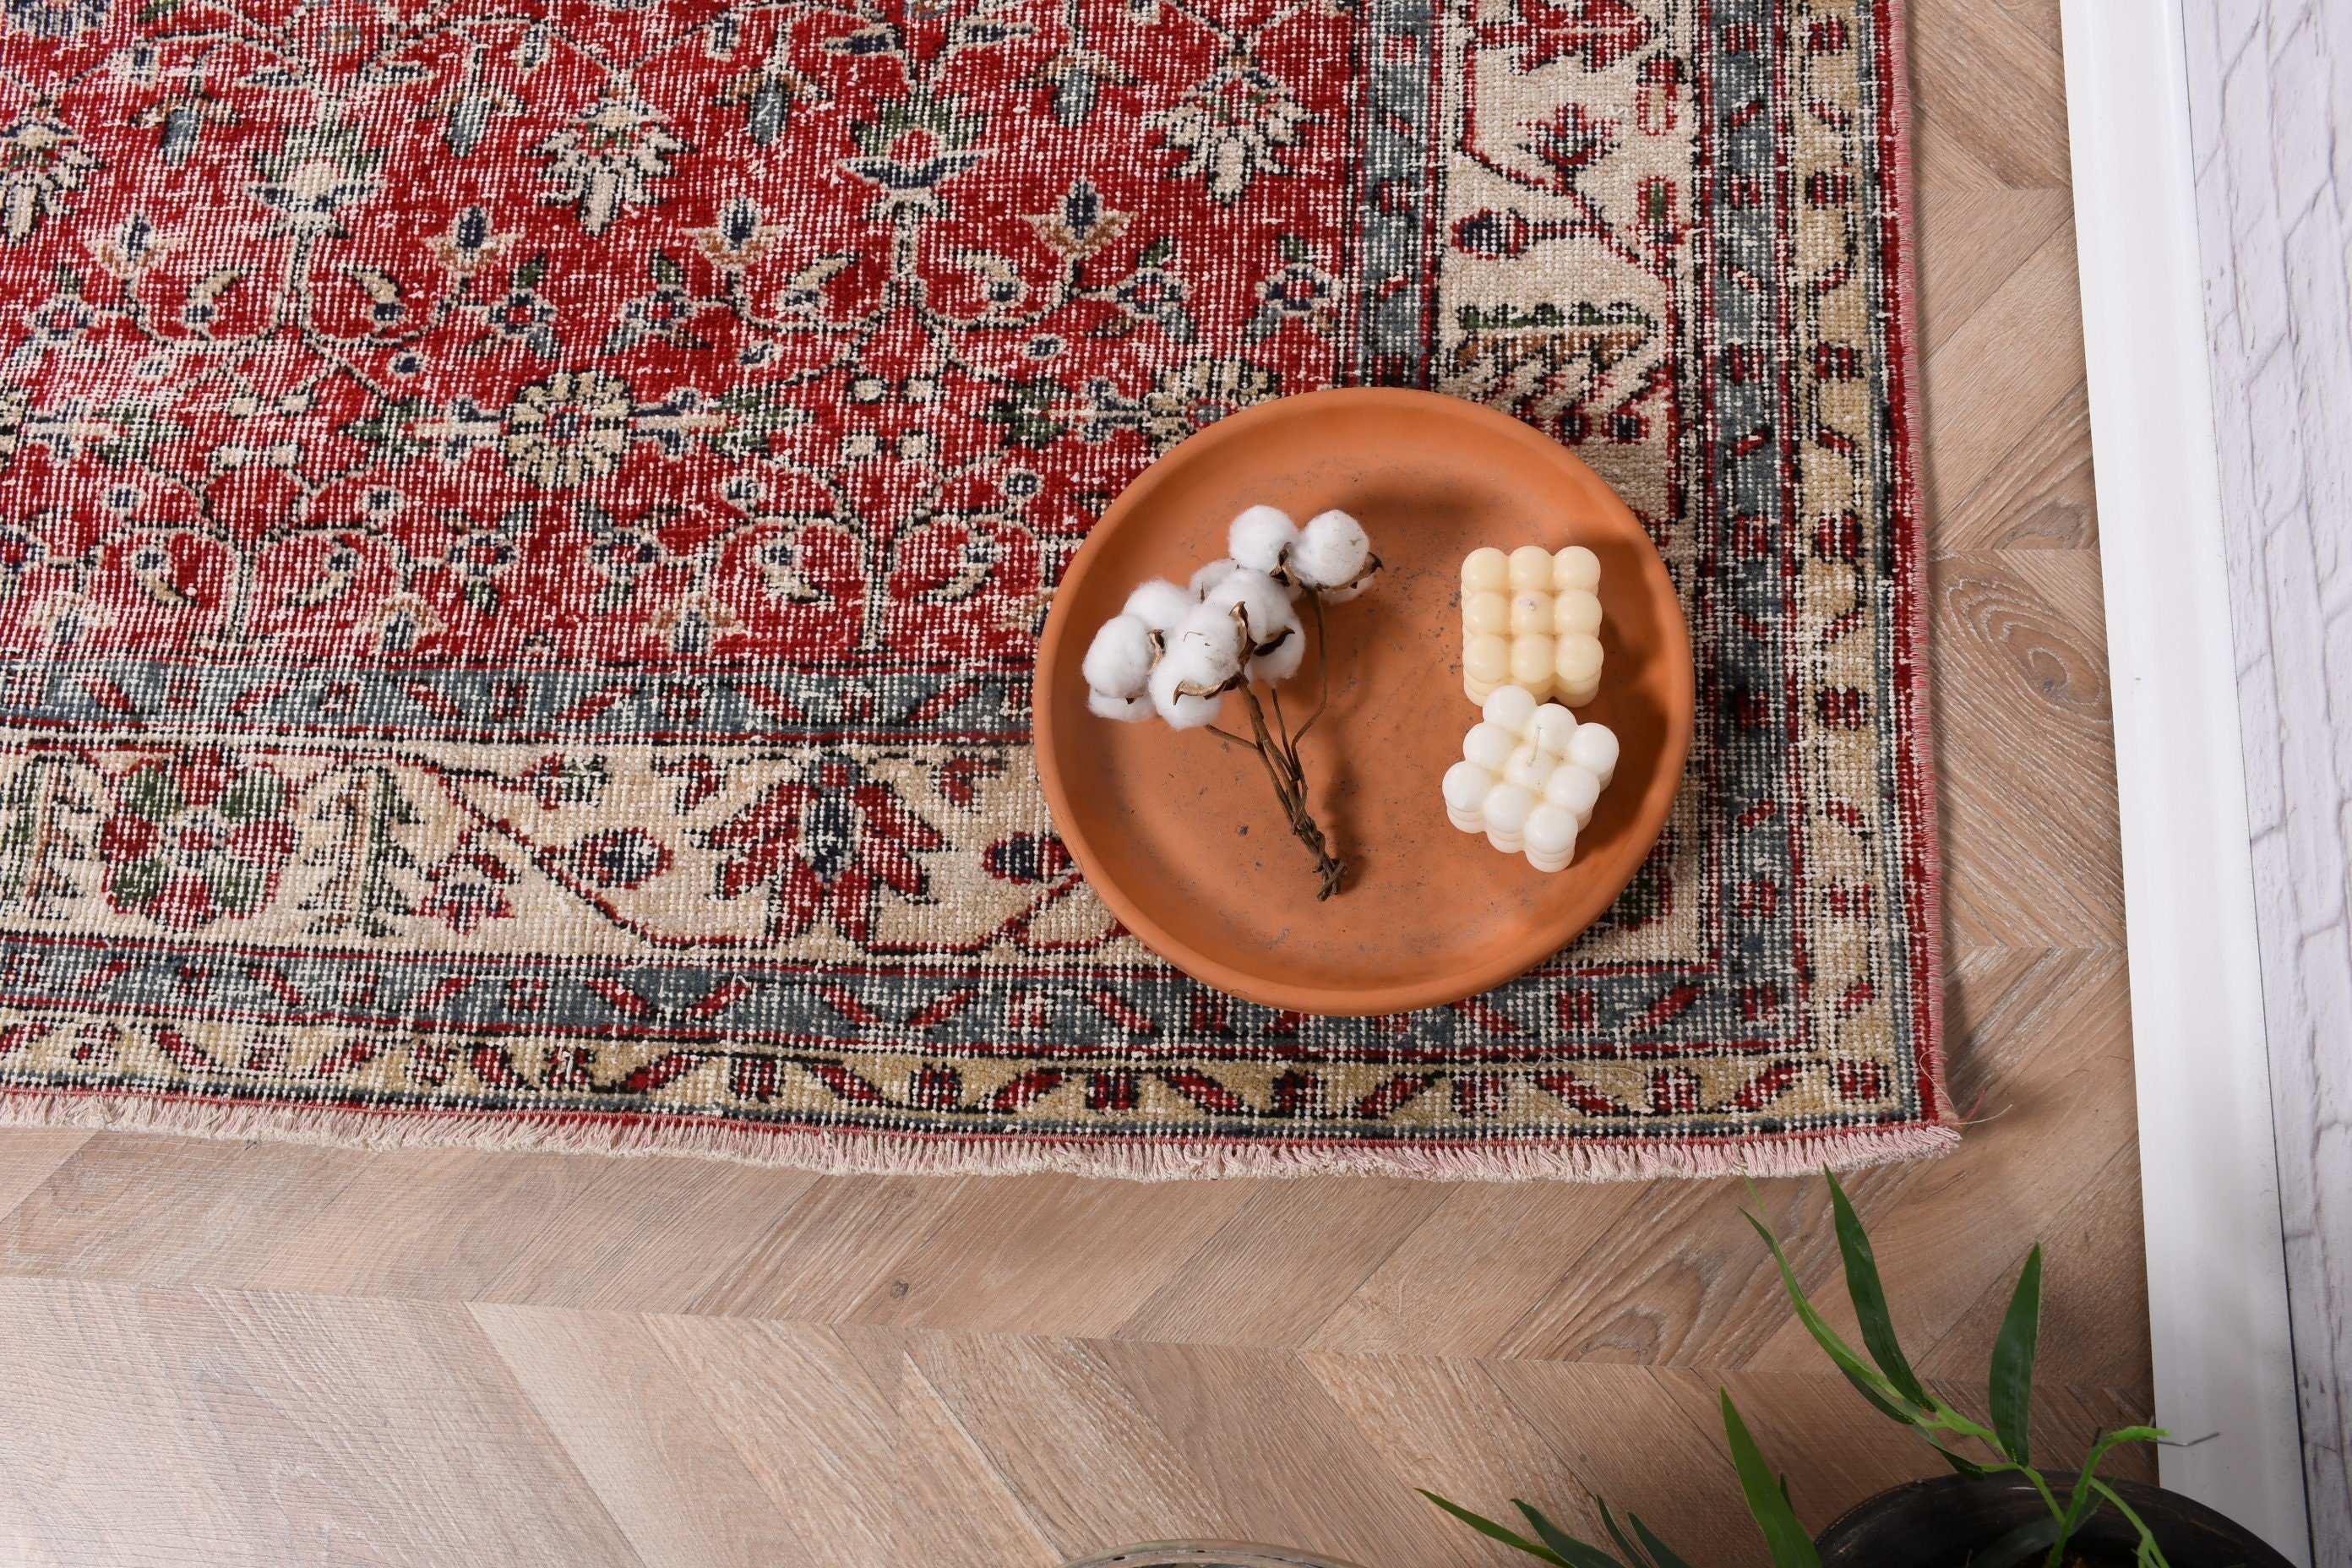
(838, 1151)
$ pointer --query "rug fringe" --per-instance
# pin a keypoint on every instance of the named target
(835, 1151)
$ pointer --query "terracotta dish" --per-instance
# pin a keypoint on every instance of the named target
(1180, 833)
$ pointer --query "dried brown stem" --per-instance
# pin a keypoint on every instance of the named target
(1289, 780)
(1323, 669)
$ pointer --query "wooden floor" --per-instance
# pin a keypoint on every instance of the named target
(218, 1352)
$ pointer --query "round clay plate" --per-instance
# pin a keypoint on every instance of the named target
(1178, 832)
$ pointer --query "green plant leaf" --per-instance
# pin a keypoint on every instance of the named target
(1966, 1466)
(1609, 1523)
(1766, 1501)
(2010, 1393)
(1878, 1402)
(2150, 1555)
(1488, 1527)
(1869, 1294)
(1656, 1548)
(2110, 1440)
(1889, 1398)
(1563, 1545)
(2027, 1539)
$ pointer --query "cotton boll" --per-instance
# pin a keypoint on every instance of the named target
(1332, 552)
(1595, 747)
(1214, 573)
(1576, 612)
(1530, 567)
(1265, 602)
(1186, 666)
(1510, 707)
(1127, 710)
(1485, 614)
(1549, 834)
(1159, 605)
(1575, 568)
(1486, 571)
(1354, 590)
(1282, 661)
(1261, 538)
(1573, 787)
(1208, 632)
(1118, 661)
(1507, 809)
(1550, 727)
(1490, 746)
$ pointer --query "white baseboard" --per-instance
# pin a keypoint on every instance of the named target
(2217, 1278)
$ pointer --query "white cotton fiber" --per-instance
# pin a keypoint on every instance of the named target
(1118, 661)
(1281, 661)
(1261, 538)
(1264, 601)
(1159, 605)
(1208, 632)
(1188, 664)
(1125, 709)
(1331, 555)
(1214, 573)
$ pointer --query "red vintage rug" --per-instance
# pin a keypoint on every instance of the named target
(523, 526)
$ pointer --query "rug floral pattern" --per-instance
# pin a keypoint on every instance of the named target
(523, 530)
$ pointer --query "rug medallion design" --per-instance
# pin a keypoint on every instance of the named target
(523, 525)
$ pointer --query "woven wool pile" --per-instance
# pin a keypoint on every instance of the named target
(523, 528)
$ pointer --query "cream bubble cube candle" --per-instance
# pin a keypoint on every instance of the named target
(1528, 777)
(1532, 620)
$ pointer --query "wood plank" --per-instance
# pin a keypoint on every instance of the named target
(1449, 1427)
(1994, 82)
(30, 1155)
(1049, 1254)
(440, 1224)
(833, 1249)
(639, 1431)
(1278, 1268)
(2039, 495)
(2052, 1152)
(1996, 232)
(1518, 1240)
(164, 1425)
(1084, 1461)
(2010, 364)
(819, 1420)
(2025, 753)
(1284, 1459)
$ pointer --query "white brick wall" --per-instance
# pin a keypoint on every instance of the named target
(2270, 104)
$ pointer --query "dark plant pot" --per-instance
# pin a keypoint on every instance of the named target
(1937, 1523)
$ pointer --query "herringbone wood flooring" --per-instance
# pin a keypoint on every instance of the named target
(214, 1352)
